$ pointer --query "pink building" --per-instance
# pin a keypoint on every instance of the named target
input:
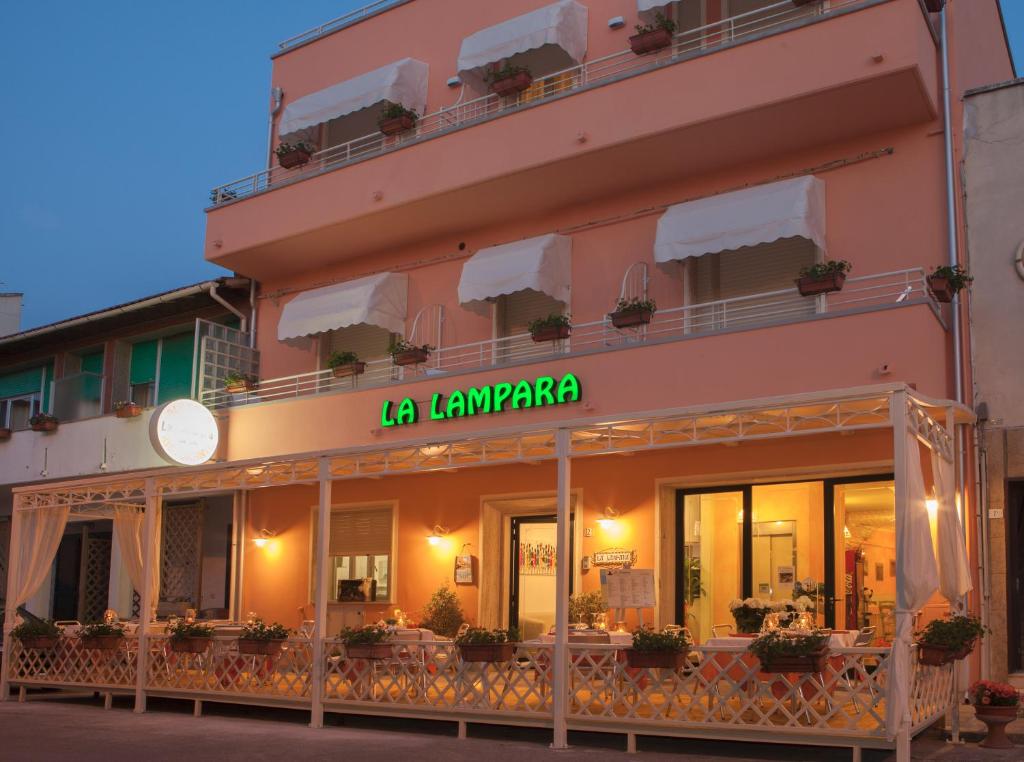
(450, 179)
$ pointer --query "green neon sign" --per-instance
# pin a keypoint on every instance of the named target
(497, 398)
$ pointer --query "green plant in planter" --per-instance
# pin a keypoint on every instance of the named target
(554, 320)
(364, 636)
(822, 270)
(36, 628)
(101, 630)
(40, 418)
(989, 693)
(234, 378)
(954, 632)
(401, 345)
(660, 22)
(183, 630)
(776, 644)
(397, 111)
(507, 71)
(957, 277)
(300, 145)
(481, 636)
(443, 613)
(585, 607)
(260, 630)
(636, 304)
(647, 640)
(337, 359)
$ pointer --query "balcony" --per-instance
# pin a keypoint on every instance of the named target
(254, 221)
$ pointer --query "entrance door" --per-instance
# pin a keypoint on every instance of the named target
(1015, 575)
(534, 563)
(67, 572)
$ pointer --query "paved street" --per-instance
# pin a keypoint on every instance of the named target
(79, 729)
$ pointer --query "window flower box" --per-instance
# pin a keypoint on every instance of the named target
(127, 410)
(236, 383)
(37, 635)
(632, 313)
(652, 37)
(254, 647)
(345, 364)
(5, 434)
(945, 282)
(403, 353)
(101, 642)
(655, 659)
(43, 422)
(260, 639)
(396, 118)
(934, 655)
(40, 642)
(550, 328)
(784, 652)
(369, 651)
(292, 155)
(658, 650)
(478, 644)
(190, 645)
(823, 277)
(509, 80)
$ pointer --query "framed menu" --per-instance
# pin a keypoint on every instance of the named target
(629, 588)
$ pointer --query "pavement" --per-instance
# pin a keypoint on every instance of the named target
(50, 727)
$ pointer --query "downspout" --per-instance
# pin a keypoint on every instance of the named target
(252, 313)
(243, 322)
(276, 95)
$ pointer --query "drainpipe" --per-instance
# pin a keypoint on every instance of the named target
(276, 95)
(252, 313)
(229, 307)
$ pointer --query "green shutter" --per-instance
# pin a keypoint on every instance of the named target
(176, 367)
(21, 382)
(143, 364)
(48, 376)
(93, 363)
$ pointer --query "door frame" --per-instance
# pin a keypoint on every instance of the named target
(513, 569)
(1013, 513)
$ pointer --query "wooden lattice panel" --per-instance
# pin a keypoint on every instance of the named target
(180, 554)
(96, 579)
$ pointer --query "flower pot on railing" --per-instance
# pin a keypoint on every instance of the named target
(190, 645)
(655, 659)
(397, 125)
(102, 642)
(349, 369)
(44, 423)
(512, 85)
(5, 434)
(128, 410)
(369, 651)
(254, 647)
(941, 288)
(297, 157)
(413, 356)
(551, 333)
(648, 42)
(935, 655)
(484, 652)
(40, 642)
(811, 662)
(238, 386)
(630, 318)
(810, 286)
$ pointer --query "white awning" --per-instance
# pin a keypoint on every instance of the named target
(402, 82)
(647, 6)
(562, 25)
(376, 300)
(747, 217)
(543, 264)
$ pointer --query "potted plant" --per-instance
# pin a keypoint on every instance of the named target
(443, 613)
(190, 637)
(779, 651)
(653, 649)
(945, 640)
(43, 422)
(127, 409)
(584, 608)
(5, 434)
(236, 383)
(749, 614)
(39, 634)
(345, 364)
(260, 639)
(366, 642)
(551, 328)
(396, 118)
(479, 644)
(101, 636)
(404, 353)
(996, 705)
(823, 277)
(945, 282)
(630, 313)
(652, 37)
(508, 79)
(292, 155)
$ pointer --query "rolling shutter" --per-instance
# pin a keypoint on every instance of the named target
(361, 532)
(369, 342)
(750, 270)
(515, 311)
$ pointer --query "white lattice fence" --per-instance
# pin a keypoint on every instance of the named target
(931, 692)
(96, 580)
(71, 665)
(181, 540)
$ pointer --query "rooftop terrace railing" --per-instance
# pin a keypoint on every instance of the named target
(687, 44)
(879, 291)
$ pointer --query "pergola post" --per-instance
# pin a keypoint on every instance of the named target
(900, 456)
(10, 606)
(150, 560)
(560, 681)
(958, 490)
(323, 546)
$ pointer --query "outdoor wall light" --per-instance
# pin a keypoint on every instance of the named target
(607, 520)
(437, 534)
(265, 535)
(933, 507)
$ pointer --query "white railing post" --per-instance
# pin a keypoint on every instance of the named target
(11, 604)
(148, 593)
(323, 545)
(898, 414)
(560, 681)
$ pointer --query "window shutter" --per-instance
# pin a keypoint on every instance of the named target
(750, 270)
(370, 342)
(518, 309)
(361, 533)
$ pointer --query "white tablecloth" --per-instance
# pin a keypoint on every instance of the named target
(616, 639)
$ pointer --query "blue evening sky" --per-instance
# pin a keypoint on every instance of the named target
(118, 118)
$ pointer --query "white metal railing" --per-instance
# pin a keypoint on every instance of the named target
(678, 323)
(338, 23)
(601, 70)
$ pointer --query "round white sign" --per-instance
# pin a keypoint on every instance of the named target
(184, 432)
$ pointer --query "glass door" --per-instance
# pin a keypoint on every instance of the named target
(534, 563)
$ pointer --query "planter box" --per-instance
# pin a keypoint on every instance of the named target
(259, 647)
(45, 426)
(631, 318)
(512, 85)
(655, 659)
(934, 656)
(5, 434)
(239, 387)
(648, 42)
(941, 288)
(190, 645)
(102, 642)
(129, 411)
(349, 369)
(812, 662)
(813, 286)
(410, 357)
(480, 652)
(41, 642)
(372, 651)
(294, 159)
(552, 333)
(397, 125)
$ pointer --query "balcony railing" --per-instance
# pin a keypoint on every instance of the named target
(685, 45)
(870, 292)
(352, 17)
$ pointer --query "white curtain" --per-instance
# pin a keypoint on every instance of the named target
(128, 525)
(38, 537)
(5, 555)
(916, 557)
(954, 569)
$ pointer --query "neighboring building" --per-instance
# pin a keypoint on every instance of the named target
(745, 440)
(994, 193)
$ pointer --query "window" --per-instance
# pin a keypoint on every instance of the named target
(16, 411)
(512, 316)
(369, 342)
(361, 549)
(144, 393)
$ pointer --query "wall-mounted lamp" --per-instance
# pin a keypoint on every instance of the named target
(933, 507)
(607, 520)
(265, 535)
(437, 534)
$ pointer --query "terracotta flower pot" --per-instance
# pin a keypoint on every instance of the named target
(551, 333)
(45, 426)
(102, 642)
(512, 85)
(479, 652)
(812, 662)
(129, 411)
(411, 356)
(996, 718)
(349, 369)
(630, 318)
(5, 434)
(41, 642)
(252, 647)
(190, 645)
(941, 288)
(396, 125)
(648, 42)
(934, 656)
(294, 159)
(655, 659)
(809, 286)
(371, 651)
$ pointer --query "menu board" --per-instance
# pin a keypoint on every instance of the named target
(629, 588)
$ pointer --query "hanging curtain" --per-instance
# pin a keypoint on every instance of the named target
(954, 569)
(916, 556)
(128, 523)
(39, 534)
(5, 555)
